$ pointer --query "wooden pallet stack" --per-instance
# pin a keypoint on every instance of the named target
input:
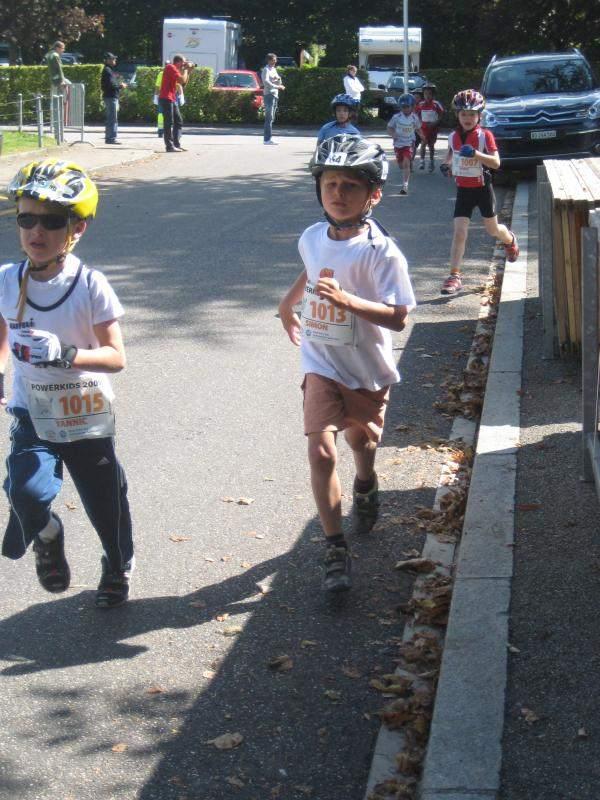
(575, 189)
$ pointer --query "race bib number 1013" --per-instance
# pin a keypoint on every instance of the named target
(325, 323)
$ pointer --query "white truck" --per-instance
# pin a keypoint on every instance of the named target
(381, 52)
(210, 43)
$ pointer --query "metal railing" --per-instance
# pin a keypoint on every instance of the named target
(590, 337)
(52, 115)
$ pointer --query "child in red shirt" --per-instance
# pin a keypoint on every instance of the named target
(472, 152)
(430, 112)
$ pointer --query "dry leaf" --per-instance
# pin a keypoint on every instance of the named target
(70, 506)
(209, 673)
(417, 565)
(222, 617)
(232, 631)
(227, 500)
(233, 781)
(209, 559)
(119, 748)
(529, 715)
(333, 695)
(245, 501)
(155, 690)
(308, 643)
(351, 672)
(281, 663)
(175, 538)
(227, 741)
(245, 565)
(512, 648)
(582, 733)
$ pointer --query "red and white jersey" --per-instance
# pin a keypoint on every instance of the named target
(468, 172)
(430, 112)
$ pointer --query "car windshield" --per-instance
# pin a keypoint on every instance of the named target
(235, 80)
(396, 83)
(539, 77)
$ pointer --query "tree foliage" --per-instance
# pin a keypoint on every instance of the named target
(34, 25)
(455, 34)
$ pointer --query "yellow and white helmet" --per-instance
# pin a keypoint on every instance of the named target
(62, 182)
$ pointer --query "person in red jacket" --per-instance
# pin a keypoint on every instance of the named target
(472, 153)
(173, 74)
(430, 111)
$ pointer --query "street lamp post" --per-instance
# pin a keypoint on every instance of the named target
(405, 11)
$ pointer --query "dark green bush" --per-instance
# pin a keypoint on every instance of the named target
(305, 101)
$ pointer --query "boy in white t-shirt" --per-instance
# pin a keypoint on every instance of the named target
(404, 127)
(64, 335)
(355, 290)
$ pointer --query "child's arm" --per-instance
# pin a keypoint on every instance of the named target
(491, 160)
(289, 318)
(386, 316)
(109, 356)
(4, 355)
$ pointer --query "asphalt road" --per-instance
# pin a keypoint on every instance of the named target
(200, 246)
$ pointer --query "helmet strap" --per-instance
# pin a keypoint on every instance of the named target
(344, 226)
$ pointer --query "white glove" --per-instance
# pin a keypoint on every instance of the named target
(36, 347)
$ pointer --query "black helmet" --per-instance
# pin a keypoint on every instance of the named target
(429, 85)
(350, 152)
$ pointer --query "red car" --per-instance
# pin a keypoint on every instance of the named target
(240, 80)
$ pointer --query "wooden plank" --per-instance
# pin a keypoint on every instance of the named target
(568, 272)
(560, 290)
(590, 181)
(545, 261)
(589, 336)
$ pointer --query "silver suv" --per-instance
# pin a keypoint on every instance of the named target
(542, 105)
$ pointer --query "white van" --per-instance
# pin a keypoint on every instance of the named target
(210, 43)
(381, 52)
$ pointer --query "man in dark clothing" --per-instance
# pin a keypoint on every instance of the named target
(111, 88)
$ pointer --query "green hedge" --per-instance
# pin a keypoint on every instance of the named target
(305, 100)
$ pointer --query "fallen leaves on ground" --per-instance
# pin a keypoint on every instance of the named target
(529, 715)
(121, 747)
(234, 630)
(155, 690)
(393, 684)
(417, 565)
(227, 741)
(175, 538)
(333, 695)
(282, 663)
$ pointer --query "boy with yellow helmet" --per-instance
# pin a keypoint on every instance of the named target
(64, 336)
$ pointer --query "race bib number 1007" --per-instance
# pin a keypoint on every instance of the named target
(325, 323)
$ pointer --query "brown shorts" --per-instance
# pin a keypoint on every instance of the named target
(331, 406)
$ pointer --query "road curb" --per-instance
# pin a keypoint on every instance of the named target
(464, 753)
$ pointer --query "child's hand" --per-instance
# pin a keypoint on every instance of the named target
(329, 289)
(291, 323)
(467, 151)
(445, 170)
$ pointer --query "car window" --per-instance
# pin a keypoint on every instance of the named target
(396, 82)
(539, 77)
(236, 81)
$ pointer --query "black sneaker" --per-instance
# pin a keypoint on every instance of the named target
(113, 589)
(366, 508)
(51, 566)
(337, 568)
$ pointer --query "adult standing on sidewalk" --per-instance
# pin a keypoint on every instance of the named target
(272, 85)
(352, 86)
(53, 61)
(111, 89)
(178, 72)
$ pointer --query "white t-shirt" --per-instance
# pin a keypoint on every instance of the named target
(353, 87)
(371, 268)
(404, 127)
(91, 301)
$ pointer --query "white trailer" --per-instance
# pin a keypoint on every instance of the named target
(381, 52)
(210, 43)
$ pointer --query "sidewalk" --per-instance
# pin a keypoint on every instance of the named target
(516, 713)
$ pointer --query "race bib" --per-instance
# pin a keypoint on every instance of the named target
(323, 322)
(429, 115)
(465, 167)
(69, 410)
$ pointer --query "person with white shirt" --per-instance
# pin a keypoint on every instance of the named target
(272, 85)
(355, 290)
(352, 86)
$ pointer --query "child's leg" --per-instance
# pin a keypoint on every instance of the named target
(406, 162)
(459, 242)
(322, 458)
(34, 478)
(100, 481)
(364, 451)
(497, 230)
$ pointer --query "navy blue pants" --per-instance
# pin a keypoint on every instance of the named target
(35, 476)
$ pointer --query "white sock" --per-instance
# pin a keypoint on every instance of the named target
(51, 531)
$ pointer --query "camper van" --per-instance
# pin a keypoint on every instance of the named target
(381, 52)
(210, 43)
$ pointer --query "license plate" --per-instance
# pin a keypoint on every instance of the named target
(543, 134)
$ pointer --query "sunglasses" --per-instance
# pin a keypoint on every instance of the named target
(51, 222)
